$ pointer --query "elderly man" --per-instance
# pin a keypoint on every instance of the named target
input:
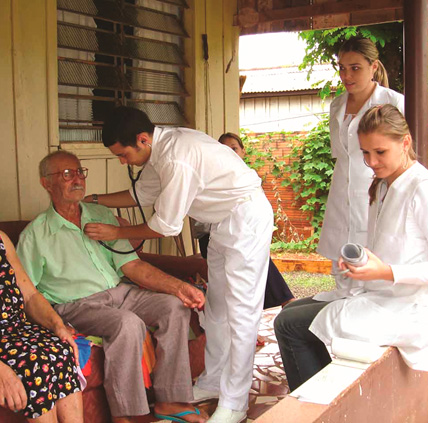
(82, 280)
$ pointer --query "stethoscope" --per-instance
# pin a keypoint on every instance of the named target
(134, 182)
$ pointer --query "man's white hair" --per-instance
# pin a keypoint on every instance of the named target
(45, 164)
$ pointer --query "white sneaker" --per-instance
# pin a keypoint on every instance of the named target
(226, 415)
(200, 394)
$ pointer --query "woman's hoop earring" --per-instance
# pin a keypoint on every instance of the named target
(406, 160)
(364, 160)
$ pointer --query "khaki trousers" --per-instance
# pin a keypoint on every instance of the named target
(120, 315)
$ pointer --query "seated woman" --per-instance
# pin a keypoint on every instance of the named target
(38, 366)
(391, 306)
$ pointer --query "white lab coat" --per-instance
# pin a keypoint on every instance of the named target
(347, 206)
(383, 312)
(190, 173)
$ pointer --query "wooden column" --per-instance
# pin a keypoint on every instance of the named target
(416, 73)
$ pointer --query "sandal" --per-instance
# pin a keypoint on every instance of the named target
(176, 417)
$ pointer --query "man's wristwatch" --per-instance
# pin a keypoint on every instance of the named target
(95, 198)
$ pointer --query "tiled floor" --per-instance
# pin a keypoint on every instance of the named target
(269, 381)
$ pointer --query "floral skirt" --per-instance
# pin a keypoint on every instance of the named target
(44, 363)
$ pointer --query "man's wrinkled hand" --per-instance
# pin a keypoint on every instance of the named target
(191, 296)
(12, 391)
(101, 231)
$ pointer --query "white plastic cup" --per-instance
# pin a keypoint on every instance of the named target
(354, 254)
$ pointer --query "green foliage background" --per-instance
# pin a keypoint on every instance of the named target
(309, 175)
(323, 46)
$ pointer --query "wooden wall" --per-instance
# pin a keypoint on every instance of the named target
(29, 101)
(282, 113)
(28, 120)
(213, 84)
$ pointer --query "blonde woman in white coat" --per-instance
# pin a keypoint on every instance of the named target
(366, 83)
(391, 305)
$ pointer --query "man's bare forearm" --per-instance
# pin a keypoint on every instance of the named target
(150, 277)
(115, 199)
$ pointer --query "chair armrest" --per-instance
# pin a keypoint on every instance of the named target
(13, 229)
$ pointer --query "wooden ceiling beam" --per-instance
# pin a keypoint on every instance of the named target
(357, 18)
(248, 17)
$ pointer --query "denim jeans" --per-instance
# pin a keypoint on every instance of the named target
(303, 354)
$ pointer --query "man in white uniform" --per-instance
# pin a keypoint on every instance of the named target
(187, 172)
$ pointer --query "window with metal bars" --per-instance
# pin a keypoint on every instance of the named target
(113, 52)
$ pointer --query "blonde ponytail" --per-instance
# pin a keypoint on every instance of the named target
(381, 75)
(373, 189)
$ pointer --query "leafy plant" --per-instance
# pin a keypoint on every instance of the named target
(307, 169)
(259, 154)
(310, 174)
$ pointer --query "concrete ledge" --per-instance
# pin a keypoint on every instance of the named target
(387, 392)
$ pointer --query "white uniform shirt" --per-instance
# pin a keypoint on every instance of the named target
(384, 312)
(347, 206)
(190, 173)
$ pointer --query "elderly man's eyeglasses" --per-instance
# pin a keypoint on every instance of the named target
(69, 174)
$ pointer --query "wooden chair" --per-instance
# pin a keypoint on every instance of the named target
(13, 229)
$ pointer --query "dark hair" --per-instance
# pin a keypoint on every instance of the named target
(387, 120)
(124, 124)
(368, 50)
(223, 137)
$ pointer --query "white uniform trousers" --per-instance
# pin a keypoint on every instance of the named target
(238, 256)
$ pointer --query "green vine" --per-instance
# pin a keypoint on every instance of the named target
(259, 154)
(310, 174)
(256, 155)
(307, 169)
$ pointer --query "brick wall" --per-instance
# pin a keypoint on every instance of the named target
(280, 146)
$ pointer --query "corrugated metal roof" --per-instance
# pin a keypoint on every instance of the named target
(285, 79)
